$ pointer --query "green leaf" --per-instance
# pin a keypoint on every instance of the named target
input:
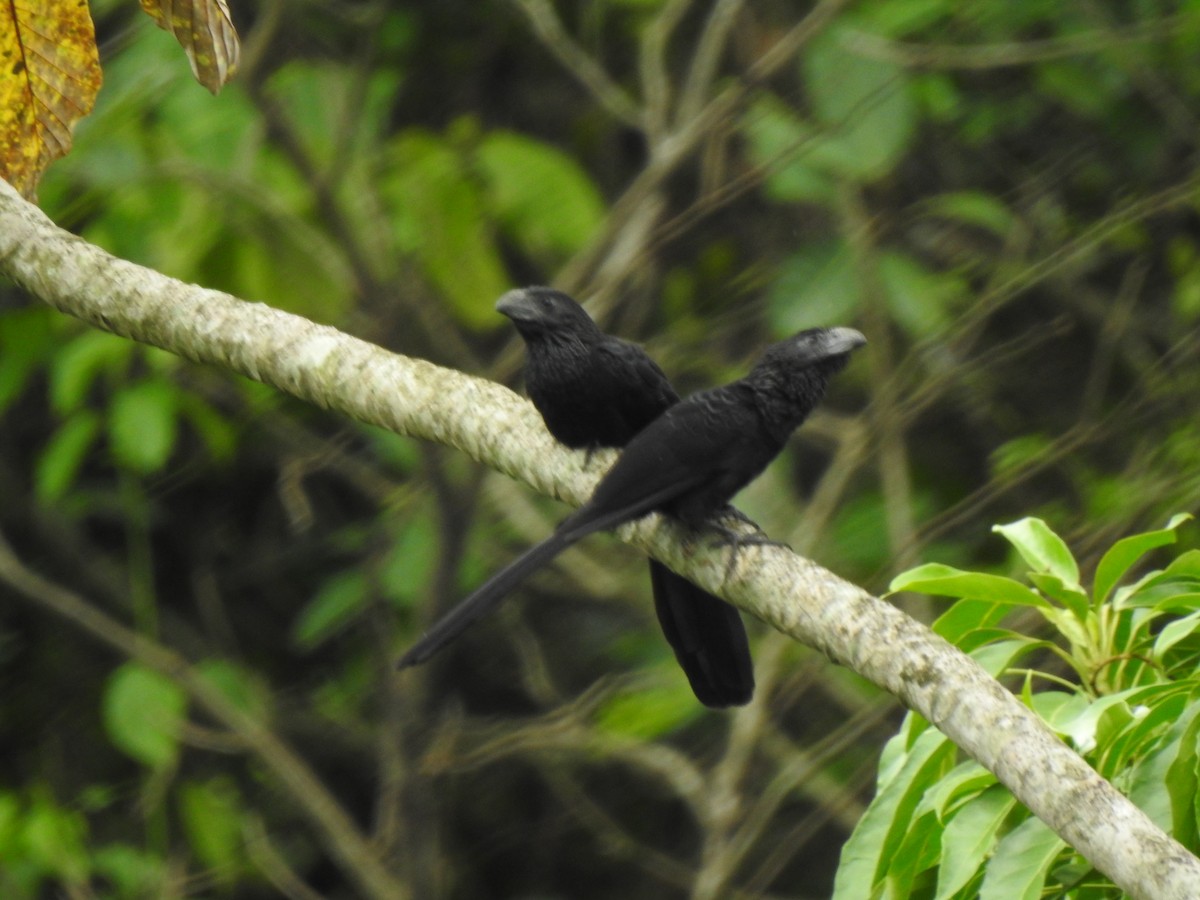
(917, 854)
(1125, 552)
(1153, 710)
(895, 20)
(60, 461)
(973, 208)
(968, 616)
(545, 201)
(218, 434)
(1082, 720)
(994, 658)
(869, 852)
(1075, 85)
(921, 301)
(1162, 597)
(143, 714)
(142, 425)
(339, 602)
(946, 581)
(409, 565)
(1072, 597)
(649, 714)
(132, 871)
(1165, 783)
(1011, 457)
(1018, 868)
(1186, 564)
(80, 362)
(815, 286)
(56, 840)
(212, 819)
(273, 255)
(438, 216)
(970, 837)
(783, 145)
(26, 342)
(1174, 632)
(10, 818)
(866, 103)
(240, 686)
(960, 785)
(315, 96)
(1042, 549)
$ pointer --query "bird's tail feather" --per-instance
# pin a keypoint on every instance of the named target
(708, 638)
(485, 598)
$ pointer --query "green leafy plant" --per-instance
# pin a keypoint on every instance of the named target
(1121, 670)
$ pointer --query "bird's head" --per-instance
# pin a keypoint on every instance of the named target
(813, 345)
(541, 310)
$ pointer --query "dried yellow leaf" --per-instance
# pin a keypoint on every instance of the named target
(49, 77)
(205, 31)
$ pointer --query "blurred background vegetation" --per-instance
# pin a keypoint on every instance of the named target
(1002, 195)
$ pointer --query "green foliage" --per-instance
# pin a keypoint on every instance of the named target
(239, 685)
(444, 190)
(944, 830)
(540, 197)
(650, 713)
(44, 845)
(863, 105)
(25, 340)
(212, 818)
(921, 301)
(64, 454)
(40, 841)
(144, 713)
(142, 425)
(106, 390)
(815, 286)
(338, 603)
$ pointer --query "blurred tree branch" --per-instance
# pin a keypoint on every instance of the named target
(343, 838)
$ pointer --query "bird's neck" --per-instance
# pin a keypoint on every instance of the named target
(785, 398)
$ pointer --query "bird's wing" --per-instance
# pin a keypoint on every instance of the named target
(634, 382)
(684, 449)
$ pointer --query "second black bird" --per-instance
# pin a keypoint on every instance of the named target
(595, 390)
(688, 463)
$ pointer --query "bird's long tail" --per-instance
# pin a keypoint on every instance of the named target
(584, 521)
(485, 598)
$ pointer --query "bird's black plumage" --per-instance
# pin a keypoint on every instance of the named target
(592, 389)
(596, 390)
(689, 462)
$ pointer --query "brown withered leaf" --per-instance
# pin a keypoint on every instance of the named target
(205, 31)
(49, 77)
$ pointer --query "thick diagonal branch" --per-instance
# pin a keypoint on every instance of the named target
(497, 428)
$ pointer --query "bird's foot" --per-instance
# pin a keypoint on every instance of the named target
(732, 514)
(736, 540)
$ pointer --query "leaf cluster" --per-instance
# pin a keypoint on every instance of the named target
(1129, 702)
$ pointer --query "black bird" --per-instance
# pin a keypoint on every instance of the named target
(688, 463)
(595, 390)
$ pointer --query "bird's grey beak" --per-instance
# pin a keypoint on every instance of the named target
(515, 304)
(843, 340)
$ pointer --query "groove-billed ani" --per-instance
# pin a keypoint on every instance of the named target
(688, 463)
(596, 390)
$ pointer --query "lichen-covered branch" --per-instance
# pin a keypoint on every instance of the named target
(493, 425)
